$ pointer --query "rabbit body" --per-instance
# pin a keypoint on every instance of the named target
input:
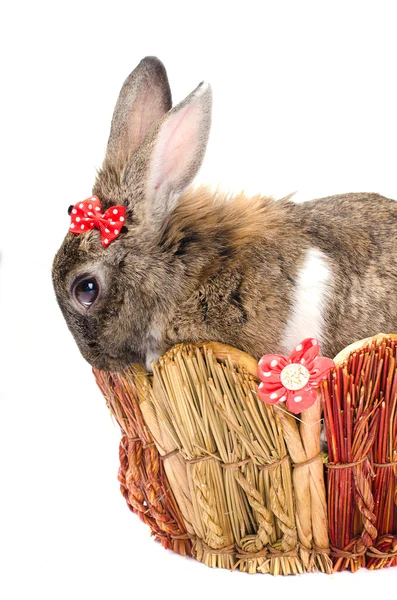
(323, 268)
(256, 273)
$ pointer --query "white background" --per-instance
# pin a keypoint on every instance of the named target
(304, 100)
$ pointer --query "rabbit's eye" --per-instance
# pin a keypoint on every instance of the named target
(86, 291)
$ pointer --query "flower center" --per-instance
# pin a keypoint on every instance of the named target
(294, 376)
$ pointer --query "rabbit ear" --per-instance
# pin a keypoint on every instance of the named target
(176, 151)
(144, 100)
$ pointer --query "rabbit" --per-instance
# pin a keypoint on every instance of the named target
(193, 265)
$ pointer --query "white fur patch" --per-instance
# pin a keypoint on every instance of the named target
(152, 352)
(151, 356)
(307, 315)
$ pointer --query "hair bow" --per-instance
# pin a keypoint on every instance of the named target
(87, 215)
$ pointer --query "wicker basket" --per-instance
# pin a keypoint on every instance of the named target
(220, 476)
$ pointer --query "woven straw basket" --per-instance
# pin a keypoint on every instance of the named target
(235, 483)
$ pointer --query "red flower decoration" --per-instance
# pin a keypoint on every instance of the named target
(293, 380)
(87, 214)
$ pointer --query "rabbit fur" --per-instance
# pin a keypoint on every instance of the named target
(256, 273)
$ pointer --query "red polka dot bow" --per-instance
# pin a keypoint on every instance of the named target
(293, 379)
(87, 215)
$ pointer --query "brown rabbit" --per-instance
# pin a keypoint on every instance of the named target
(255, 273)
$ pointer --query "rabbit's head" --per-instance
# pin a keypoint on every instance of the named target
(114, 298)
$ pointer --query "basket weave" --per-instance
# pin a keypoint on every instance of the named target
(143, 482)
(215, 473)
